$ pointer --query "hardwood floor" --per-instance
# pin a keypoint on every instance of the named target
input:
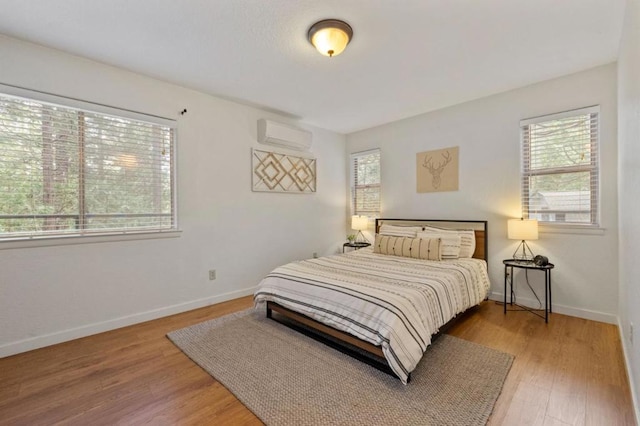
(569, 372)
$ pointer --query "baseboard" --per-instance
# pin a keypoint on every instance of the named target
(627, 363)
(562, 309)
(25, 345)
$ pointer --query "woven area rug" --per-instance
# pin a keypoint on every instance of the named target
(286, 378)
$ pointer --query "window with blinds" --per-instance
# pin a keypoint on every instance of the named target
(560, 167)
(365, 183)
(70, 171)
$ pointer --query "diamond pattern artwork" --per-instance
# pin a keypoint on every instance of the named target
(276, 172)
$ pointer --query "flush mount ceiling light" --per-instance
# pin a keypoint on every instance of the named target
(330, 36)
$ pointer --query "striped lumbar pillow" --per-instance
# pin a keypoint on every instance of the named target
(417, 248)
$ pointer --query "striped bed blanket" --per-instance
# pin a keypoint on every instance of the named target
(394, 302)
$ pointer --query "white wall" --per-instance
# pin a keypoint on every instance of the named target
(51, 294)
(585, 281)
(629, 187)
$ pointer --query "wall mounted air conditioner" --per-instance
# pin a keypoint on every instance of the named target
(283, 135)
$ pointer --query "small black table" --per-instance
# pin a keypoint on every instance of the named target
(355, 246)
(525, 264)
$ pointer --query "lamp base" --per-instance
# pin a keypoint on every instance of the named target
(360, 238)
(523, 255)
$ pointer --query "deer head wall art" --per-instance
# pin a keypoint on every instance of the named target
(437, 170)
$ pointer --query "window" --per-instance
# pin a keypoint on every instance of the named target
(71, 171)
(365, 183)
(560, 167)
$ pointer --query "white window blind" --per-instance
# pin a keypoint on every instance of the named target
(560, 167)
(70, 171)
(365, 183)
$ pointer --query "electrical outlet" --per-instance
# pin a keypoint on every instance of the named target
(212, 274)
(631, 332)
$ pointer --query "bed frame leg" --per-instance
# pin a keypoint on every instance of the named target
(409, 378)
(268, 311)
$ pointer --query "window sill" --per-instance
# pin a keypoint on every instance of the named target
(571, 229)
(78, 239)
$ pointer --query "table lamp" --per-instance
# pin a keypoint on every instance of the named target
(522, 229)
(360, 223)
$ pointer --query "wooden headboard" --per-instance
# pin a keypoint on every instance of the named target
(479, 226)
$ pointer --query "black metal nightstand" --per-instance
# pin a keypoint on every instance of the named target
(355, 246)
(524, 264)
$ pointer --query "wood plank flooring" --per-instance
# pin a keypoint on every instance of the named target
(569, 372)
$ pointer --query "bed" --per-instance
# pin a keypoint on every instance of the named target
(383, 304)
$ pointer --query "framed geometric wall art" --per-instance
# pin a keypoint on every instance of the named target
(437, 171)
(277, 172)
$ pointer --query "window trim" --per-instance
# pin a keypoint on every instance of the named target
(593, 169)
(85, 106)
(35, 240)
(352, 182)
(63, 240)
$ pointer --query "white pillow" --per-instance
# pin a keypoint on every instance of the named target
(450, 243)
(467, 239)
(400, 231)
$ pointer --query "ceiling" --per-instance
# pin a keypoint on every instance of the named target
(407, 57)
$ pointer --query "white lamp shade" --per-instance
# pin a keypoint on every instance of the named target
(359, 223)
(522, 229)
(330, 41)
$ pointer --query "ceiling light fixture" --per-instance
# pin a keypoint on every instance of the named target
(330, 36)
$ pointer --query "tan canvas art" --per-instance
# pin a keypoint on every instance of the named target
(437, 171)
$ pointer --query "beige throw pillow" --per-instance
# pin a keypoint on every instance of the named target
(467, 239)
